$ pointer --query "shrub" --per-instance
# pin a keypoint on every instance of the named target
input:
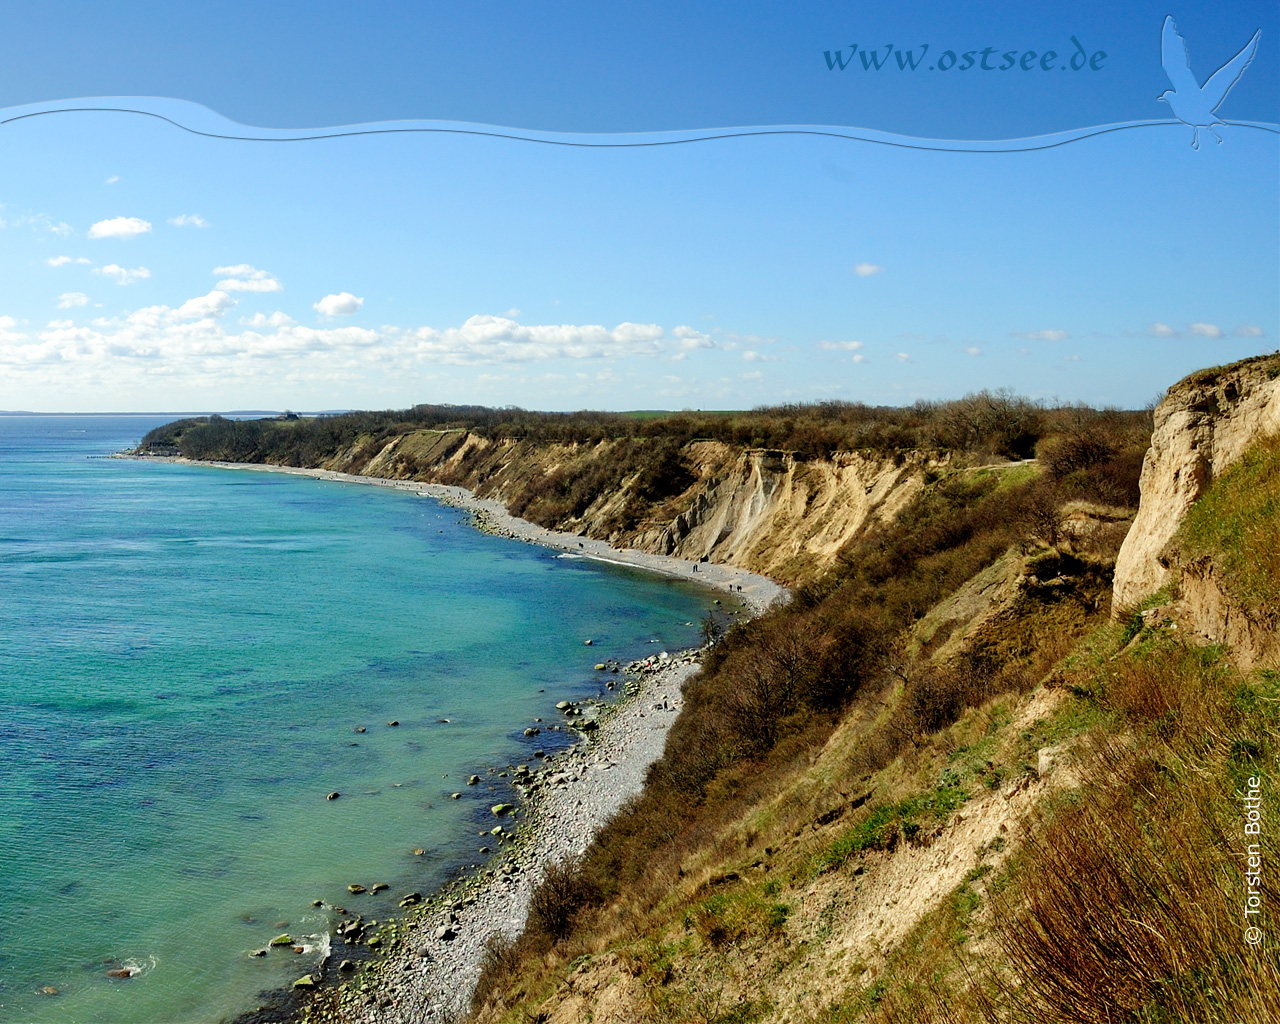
(564, 891)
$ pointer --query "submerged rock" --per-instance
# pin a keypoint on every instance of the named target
(356, 888)
(282, 940)
(333, 796)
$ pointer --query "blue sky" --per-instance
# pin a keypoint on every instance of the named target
(149, 269)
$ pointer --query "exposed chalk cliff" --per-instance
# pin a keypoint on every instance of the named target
(1204, 424)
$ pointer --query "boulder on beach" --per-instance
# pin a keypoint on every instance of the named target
(501, 809)
(306, 982)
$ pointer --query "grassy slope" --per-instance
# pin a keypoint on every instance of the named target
(907, 861)
(1237, 525)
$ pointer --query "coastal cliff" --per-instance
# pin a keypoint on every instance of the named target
(945, 782)
(766, 511)
(1215, 431)
(1203, 426)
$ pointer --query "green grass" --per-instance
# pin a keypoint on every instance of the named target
(1237, 524)
(885, 825)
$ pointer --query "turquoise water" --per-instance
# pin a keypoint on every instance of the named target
(185, 655)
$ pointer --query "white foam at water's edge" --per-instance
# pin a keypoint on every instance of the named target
(138, 968)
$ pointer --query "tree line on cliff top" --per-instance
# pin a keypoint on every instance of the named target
(997, 423)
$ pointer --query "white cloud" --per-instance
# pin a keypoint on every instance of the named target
(690, 338)
(1206, 330)
(112, 180)
(197, 345)
(867, 269)
(122, 275)
(120, 227)
(212, 305)
(1160, 330)
(840, 346)
(62, 261)
(260, 320)
(1051, 335)
(493, 339)
(1249, 331)
(189, 220)
(973, 350)
(244, 278)
(344, 304)
(859, 358)
(902, 357)
(69, 300)
(513, 312)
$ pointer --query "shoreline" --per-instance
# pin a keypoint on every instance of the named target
(431, 957)
(429, 971)
(757, 592)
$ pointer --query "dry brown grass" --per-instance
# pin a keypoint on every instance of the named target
(1130, 904)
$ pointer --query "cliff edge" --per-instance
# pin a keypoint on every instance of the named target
(1204, 425)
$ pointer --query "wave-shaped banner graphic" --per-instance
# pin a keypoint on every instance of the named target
(196, 119)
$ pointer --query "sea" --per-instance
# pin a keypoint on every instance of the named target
(192, 659)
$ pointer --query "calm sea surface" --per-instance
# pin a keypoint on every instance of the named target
(185, 655)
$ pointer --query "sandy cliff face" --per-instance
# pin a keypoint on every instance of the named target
(1204, 425)
(766, 511)
(762, 510)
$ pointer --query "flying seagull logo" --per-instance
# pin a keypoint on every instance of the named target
(1192, 103)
